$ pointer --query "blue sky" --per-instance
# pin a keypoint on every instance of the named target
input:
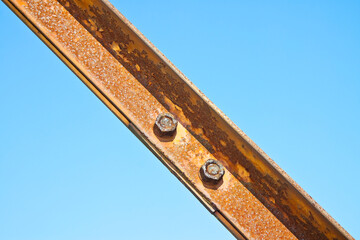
(287, 73)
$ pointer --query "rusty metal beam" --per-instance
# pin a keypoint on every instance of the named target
(254, 198)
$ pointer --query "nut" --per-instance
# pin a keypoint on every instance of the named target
(166, 124)
(212, 171)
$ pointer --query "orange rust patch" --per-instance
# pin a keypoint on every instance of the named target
(256, 196)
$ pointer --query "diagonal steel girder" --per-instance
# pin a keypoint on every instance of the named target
(255, 199)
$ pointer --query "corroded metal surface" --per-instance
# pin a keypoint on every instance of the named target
(165, 125)
(212, 171)
(256, 199)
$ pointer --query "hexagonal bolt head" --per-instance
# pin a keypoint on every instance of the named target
(212, 171)
(166, 124)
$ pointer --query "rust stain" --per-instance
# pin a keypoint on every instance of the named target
(245, 163)
(255, 196)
